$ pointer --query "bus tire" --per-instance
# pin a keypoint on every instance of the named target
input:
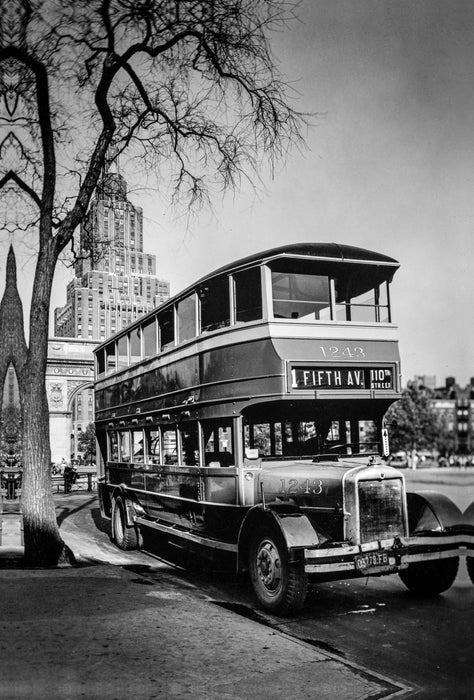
(278, 585)
(430, 578)
(124, 536)
(470, 567)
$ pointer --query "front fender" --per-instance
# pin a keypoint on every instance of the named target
(294, 526)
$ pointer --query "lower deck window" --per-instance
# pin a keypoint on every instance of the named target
(218, 446)
(137, 446)
(124, 446)
(113, 447)
(190, 445)
(267, 438)
(170, 446)
(153, 451)
(307, 438)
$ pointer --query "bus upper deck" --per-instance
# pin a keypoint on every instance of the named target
(297, 322)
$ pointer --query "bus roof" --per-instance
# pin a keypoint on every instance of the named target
(324, 251)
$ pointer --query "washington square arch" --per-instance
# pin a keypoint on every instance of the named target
(69, 386)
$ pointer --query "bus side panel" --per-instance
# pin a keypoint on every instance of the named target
(205, 501)
(120, 474)
(240, 370)
(201, 501)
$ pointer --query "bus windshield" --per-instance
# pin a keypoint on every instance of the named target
(327, 434)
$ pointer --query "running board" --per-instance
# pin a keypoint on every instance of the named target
(186, 535)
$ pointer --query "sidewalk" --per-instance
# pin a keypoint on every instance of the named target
(105, 631)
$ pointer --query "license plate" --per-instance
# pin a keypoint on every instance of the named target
(373, 562)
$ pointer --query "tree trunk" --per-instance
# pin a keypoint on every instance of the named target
(43, 543)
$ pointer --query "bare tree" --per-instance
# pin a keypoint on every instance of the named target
(188, 86)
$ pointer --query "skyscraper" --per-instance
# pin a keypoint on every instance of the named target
(116, 281)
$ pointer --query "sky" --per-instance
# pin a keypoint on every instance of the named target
(388, 165)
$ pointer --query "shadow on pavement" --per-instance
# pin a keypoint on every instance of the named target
(66, 512)
(101, 523)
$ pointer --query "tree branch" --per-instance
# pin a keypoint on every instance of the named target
(12, 176)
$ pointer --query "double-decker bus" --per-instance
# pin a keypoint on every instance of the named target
(242, 421)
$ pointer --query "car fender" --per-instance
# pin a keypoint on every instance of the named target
(468, 516)
(468, 529)
(430, 510)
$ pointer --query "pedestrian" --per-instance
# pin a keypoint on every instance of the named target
(70, 476)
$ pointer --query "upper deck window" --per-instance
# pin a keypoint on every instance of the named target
(110, 358)
(186, 314)
(149, 338)
(215, 307)
(122, 352)
(248, 295)
(166, 325)
(300, 295)
(101, 362)
(370, 306)
(135, 345)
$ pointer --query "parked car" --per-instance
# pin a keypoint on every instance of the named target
(399, 460)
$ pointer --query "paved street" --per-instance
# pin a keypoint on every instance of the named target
(425, 644)
(127, 624)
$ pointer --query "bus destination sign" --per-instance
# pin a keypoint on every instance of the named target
(341, 377)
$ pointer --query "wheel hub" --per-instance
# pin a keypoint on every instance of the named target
(269, 565)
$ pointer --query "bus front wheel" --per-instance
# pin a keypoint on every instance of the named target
(125, 536)
(430, 578)
(279, 585)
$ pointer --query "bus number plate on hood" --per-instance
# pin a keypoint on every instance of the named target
(373, 562)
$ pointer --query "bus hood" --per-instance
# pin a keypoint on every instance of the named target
(317, 484)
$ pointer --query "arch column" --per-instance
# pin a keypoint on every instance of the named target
(70, 369)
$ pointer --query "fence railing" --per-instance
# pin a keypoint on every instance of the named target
(84, 479)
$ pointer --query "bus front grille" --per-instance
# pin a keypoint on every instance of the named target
(380, 509)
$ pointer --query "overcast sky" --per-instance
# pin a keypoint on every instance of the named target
(389, 166)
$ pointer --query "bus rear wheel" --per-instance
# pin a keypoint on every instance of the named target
(430, 578)
(125, 536)
(279, 585)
